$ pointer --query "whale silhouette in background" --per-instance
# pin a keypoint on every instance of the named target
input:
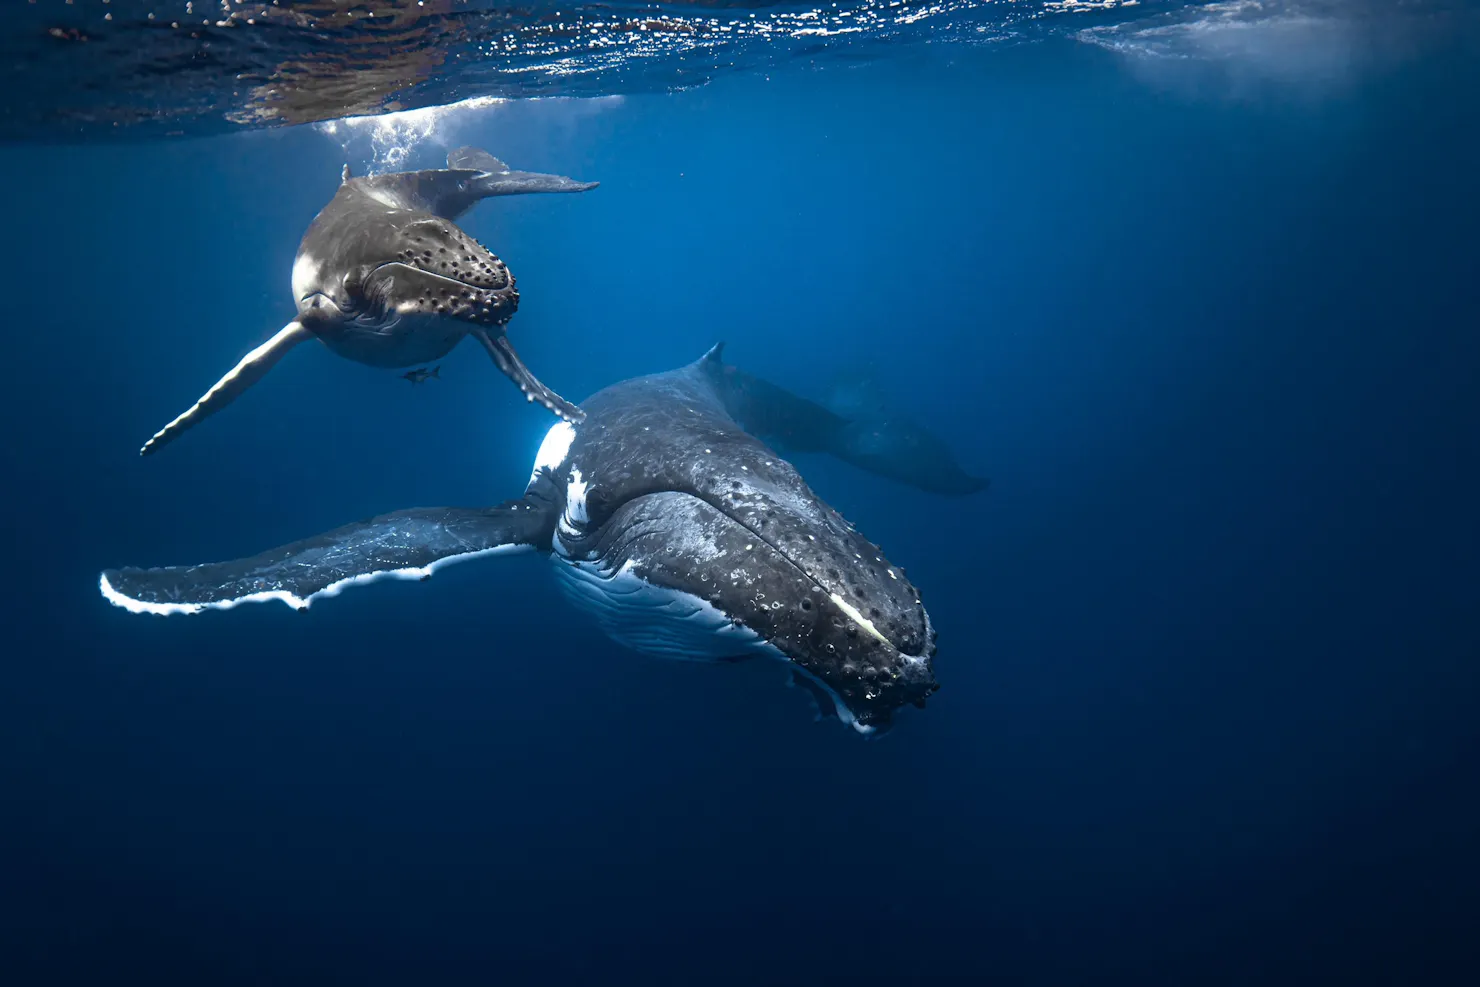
(857, 425)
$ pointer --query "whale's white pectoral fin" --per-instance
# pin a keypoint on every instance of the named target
(403, 545)
(252, 368)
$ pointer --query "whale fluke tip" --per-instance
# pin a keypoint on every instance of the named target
(475, 159)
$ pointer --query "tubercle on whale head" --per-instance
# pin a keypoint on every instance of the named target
(853, 626)
(742, 535)
(870, 677)
(849, 617)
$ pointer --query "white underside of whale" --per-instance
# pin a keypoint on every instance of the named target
(669, 623)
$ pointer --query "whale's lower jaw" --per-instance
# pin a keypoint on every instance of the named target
(656, 620)
(666, 623)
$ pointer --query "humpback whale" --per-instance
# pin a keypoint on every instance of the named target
(864, 433)
(683, 534)
(384, 277)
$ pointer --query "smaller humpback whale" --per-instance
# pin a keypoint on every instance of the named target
(384, 277)
(680, 532)
(856, 426)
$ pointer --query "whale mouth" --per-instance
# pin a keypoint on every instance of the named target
(398, 287)
(824, 553)
(873, 595)
(317, 305)
(815, 574)
(868, 642)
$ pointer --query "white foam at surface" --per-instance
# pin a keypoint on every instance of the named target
(1243, 47)
(393, 137)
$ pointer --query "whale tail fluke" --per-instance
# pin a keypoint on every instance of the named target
(497, 178)
(476, 159)
(471, 175)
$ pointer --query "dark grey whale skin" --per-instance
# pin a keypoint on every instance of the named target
(884, 444)
(389, 244)
(385, 277)
(659, 481)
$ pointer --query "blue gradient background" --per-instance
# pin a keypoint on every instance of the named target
(1208, 646)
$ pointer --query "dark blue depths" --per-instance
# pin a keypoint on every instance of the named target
(1207, 646)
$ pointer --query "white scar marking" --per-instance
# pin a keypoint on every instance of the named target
(553, 449)
(575, 499)
(859, 618)
(293, 600)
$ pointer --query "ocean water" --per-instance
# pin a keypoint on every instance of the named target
(1195, 285)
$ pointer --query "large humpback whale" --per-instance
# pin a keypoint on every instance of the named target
(384, 277)
(868, 434)
(683, 534)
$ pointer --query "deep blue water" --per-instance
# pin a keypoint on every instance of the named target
(1208, 646)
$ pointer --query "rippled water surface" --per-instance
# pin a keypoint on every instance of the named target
(94, 68)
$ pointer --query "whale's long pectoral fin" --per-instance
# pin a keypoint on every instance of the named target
(471, 175)
(502, 351)
(252, 368)
(408, 544)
